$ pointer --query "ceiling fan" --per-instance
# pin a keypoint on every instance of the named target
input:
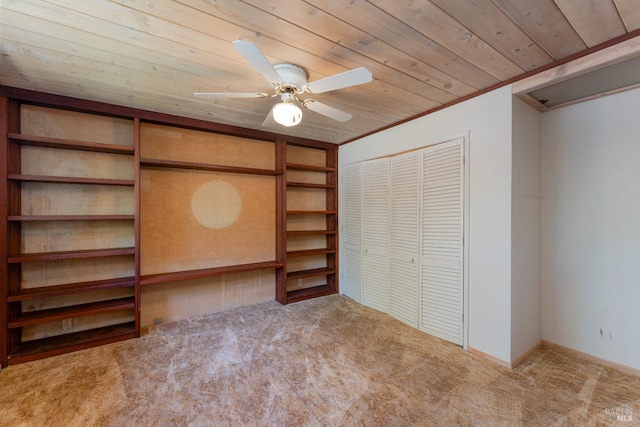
(290, 83)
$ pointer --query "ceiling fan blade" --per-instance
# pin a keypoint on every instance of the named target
(325, 110)
(252, 53)
(269, 121)
(221, 95)
(338, 81)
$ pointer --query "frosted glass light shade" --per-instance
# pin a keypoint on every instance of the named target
(287, 113)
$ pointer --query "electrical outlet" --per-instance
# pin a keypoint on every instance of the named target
(299, 283)
(66, 324)
(157, 321)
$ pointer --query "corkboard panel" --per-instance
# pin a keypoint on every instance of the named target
(306, 176)
(306, 199)
(49, 273)
(306, 222)
(72, 125)
(78, 324)
(56, 236)
(83, 164)
(300, 243)
(180, 210)
(181, 300)
(187, 145)
(76, 199)
(306, 155)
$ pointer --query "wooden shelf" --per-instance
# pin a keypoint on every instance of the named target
(70, 180)
(311, 212)
(66, 144)
(310, 232)
(297, 166)
(206, 167)
(69, 217)
(52, 346)
(308, 293)
(206, 272)
(53, 314)
(309, 185)
(310, 252)
(52, 256)
(71, 288)
(294, 275)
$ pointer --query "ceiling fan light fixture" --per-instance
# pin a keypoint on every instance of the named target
(287, 113)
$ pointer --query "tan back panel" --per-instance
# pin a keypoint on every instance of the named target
(306, 155)
(173, 143)
(72, 125)
(82, 164)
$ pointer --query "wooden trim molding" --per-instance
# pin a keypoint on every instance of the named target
(515, 362)
(608, 56)
(489, 357)
(624, 368)
(626, 41)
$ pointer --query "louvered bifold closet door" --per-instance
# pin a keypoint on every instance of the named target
(352, 212)
(375, 234)
(405, 235)
(442, 239)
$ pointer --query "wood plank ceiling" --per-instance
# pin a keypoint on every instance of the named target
(423, 54)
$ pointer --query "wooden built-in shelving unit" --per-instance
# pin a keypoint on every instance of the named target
(19, 315)
(313, 271)
(70, 307)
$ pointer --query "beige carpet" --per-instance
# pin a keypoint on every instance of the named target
(324, 362)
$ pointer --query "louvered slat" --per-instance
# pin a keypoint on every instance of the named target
(352, 212)
(375, 234)
(405, 238)
(441, 246)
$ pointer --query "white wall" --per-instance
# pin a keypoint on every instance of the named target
(525, 230)
(591, 228)
(487, 118)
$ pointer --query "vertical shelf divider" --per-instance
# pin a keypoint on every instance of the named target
(281, 222)
(136, 165)
(4, 151)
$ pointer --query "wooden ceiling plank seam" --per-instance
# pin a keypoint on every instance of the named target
(590, 17)
(493, 26)
(124, 35)
(337, 31)
(267, 38)
(225, 114)
(629, 11)
(439, 26)
(378, 23)
(544, 23)
(226, 83)
(428, 100)
(134, 72)
(160, 16)
(92, 51)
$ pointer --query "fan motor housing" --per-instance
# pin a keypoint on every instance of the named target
(292, 75)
